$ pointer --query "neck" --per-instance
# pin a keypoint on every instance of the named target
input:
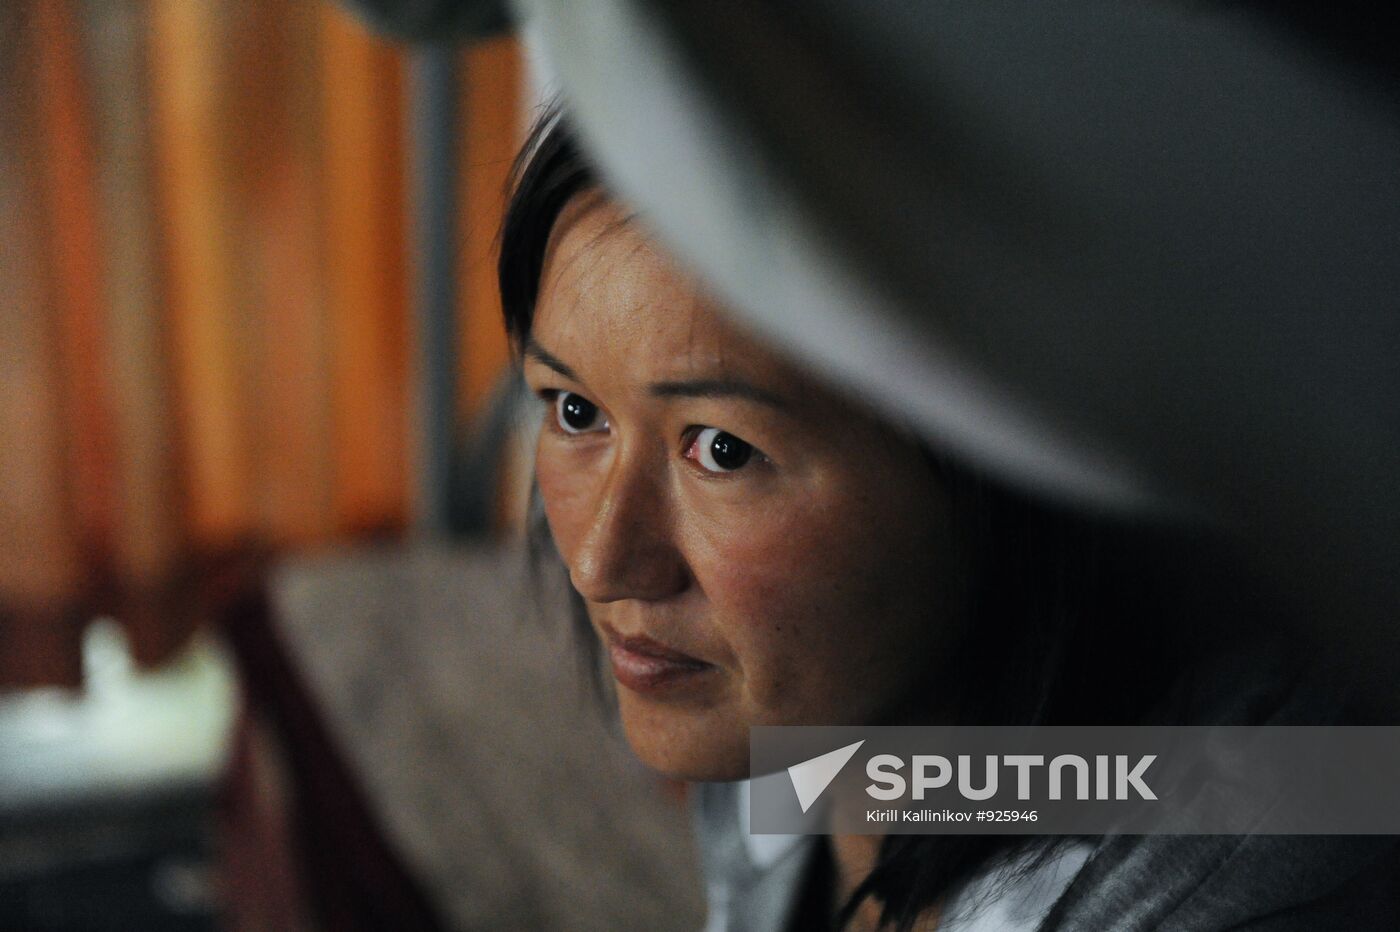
(854, 857)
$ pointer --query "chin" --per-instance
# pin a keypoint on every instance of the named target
(683, 744)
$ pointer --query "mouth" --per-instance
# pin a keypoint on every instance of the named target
(645, 665)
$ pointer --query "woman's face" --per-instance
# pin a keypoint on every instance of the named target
(752, 549)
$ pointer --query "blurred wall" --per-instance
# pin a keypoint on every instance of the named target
(204, 271)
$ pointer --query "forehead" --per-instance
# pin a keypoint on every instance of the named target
(606, 288)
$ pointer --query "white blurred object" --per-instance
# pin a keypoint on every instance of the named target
(126, 732)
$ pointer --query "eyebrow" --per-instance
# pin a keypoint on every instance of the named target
(541, 355)
(693, 388)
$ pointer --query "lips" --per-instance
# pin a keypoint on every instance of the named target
(648, 666)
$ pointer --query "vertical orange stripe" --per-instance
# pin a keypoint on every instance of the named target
(40, 569)
(185, 44)
(274, 178)
(68, 170)
(362, 83)
(38, 562)
(147, 535)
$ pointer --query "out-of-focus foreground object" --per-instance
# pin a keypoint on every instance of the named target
(1141, 256)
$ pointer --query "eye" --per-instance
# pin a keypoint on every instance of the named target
(575, 414)
(717, 451)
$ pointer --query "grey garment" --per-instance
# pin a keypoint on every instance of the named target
(1263, 883)
(1016, 897)
(1162, 883)
(1134, 884)
(1280, 883)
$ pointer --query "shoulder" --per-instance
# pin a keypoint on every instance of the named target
(1278, 883)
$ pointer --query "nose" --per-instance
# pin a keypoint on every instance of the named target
(628, 550)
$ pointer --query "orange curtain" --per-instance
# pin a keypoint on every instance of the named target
(203, 289)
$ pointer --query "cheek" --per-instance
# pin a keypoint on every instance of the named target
(791, 589)
(796, 557)
(755, 565)
(824, 604)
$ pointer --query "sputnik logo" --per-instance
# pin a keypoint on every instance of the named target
(811, 777)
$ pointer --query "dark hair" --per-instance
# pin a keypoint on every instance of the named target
(1087, 598)
(549, 172)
